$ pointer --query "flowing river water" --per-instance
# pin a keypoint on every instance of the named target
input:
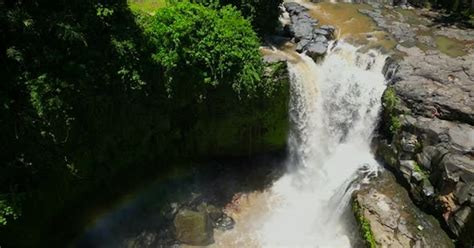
(333, 111)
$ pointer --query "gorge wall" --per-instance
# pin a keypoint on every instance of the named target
(428, 115)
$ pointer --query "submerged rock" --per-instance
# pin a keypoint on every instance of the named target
(225, 223)
(388, 218)
(193, 227)
(309, 38)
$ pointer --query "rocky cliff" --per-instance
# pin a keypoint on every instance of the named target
(428, 118)
(388, 218)
(427, 132)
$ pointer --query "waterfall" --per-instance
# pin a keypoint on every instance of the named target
(333, 111)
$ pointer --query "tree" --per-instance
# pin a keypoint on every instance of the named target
(202, 48)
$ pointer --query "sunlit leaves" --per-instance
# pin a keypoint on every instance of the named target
(210, 46)
(7, 211)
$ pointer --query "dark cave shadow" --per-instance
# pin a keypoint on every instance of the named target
(149, 215)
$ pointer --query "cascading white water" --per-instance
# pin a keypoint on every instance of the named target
(334, 108)
(333, 111)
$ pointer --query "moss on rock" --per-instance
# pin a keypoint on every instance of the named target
(364, 225)
(234, 127)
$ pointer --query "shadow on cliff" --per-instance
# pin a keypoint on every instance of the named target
(148, 214)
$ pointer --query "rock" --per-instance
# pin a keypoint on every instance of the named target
(388, 218)
(225, 223)
(328, 28)
(427, 40)
(300, 47)
(435, 109)
(425, 157)
(456, 33)
(321, 39)
(302, 24)
(407, 167)
(193, 227)
(409, 142)
(427, 188)
(144, 239)
(316, 49)
(389, 69)
(309, 39)
(321, 32)
(444, 86)
(402, 32)
(461, 217)
(434, 157)
(417, 176)
(294, 8)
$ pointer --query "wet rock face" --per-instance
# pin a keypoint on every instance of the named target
(303, 28)
(388, 218)
(429, 123)
(434, 157)
(433, 147)
(193, 227)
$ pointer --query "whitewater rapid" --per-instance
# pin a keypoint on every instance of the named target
(334, 106)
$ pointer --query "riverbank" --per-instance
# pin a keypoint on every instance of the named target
(428, 107)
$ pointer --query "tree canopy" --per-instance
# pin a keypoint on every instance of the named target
(203, 47)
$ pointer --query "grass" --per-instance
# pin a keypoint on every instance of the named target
(147, 6)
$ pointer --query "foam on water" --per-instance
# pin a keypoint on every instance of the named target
(333, 110)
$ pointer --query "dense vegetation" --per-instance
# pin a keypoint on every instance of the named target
(209, 45)
(458, 10)
(92, 92)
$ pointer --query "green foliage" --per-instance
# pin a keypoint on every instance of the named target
(420, 170)
(262, 13)
(65, 61)
(391, 103)
(390, 99)
(460, 11)
(206, 47)
(395, 124)
(364, 225)
(7, 210)
(83, 102)
(147, 6)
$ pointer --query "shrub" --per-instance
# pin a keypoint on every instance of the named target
(391, 102)
(201, 48)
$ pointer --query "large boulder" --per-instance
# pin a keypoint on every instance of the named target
(309, 38)
(193, 227)
(316, 49)
(388, 218)
(436, 85)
